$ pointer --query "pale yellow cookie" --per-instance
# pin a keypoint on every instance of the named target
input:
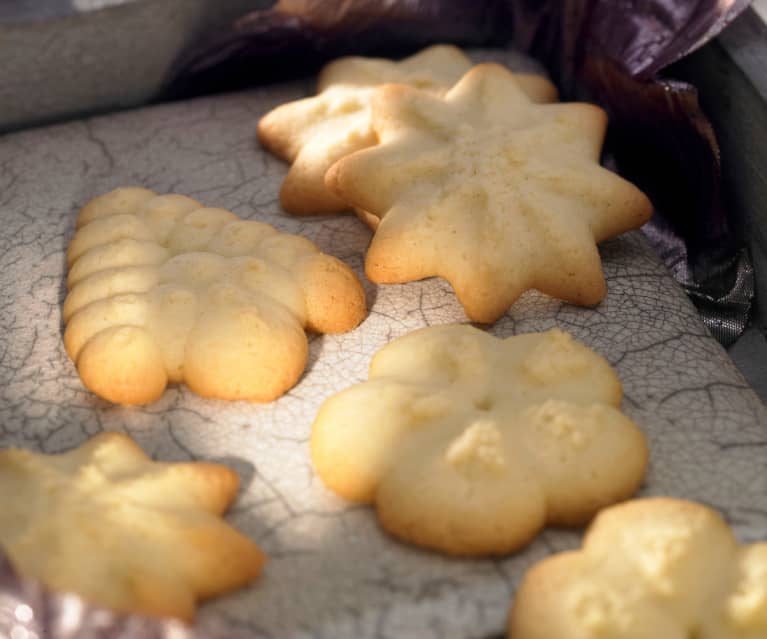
(435, 68)
(489, 190)
(313, 133)
(163, 290)
(107, 523)
(470, 444)
(649, 568)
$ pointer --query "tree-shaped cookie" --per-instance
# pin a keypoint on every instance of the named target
(470, 444)
(489, 190)
(107, 523)
(162, 289)
(648, 568)
(314, 132)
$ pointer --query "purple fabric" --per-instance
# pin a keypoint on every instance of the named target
(28, 611)
(646, 36)
(616, 53)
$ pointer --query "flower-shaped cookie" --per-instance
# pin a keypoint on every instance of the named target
(313, 133)
(489, 190)
(163, 290)
(649, 568)
(470, 444)
(107, 523)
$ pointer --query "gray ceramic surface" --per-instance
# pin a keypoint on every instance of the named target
(332, 572)
(63, 58)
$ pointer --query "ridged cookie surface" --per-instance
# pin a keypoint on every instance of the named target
(107, 523)
(648, 568)
(162, 289)
(470, 444)
(315, 132)
(489, 190)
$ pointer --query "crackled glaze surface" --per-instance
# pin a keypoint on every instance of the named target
(332, 572)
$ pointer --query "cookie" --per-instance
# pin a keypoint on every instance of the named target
(163, 290)
(470, 444)
(489, 190)
(649, 568)
(435, 68)
(107, 523)
(314, 132)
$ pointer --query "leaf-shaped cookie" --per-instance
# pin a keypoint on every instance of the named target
(162, 289)
(313, 133)
(107, 523)
(488, 190)
(649, 568)
(470, 444)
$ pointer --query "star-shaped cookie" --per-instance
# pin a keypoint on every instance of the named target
(107, 523)
(470, 444)
(435, 68)
(163, 289)
(489, 190)
(649, 568)
(314, 132)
